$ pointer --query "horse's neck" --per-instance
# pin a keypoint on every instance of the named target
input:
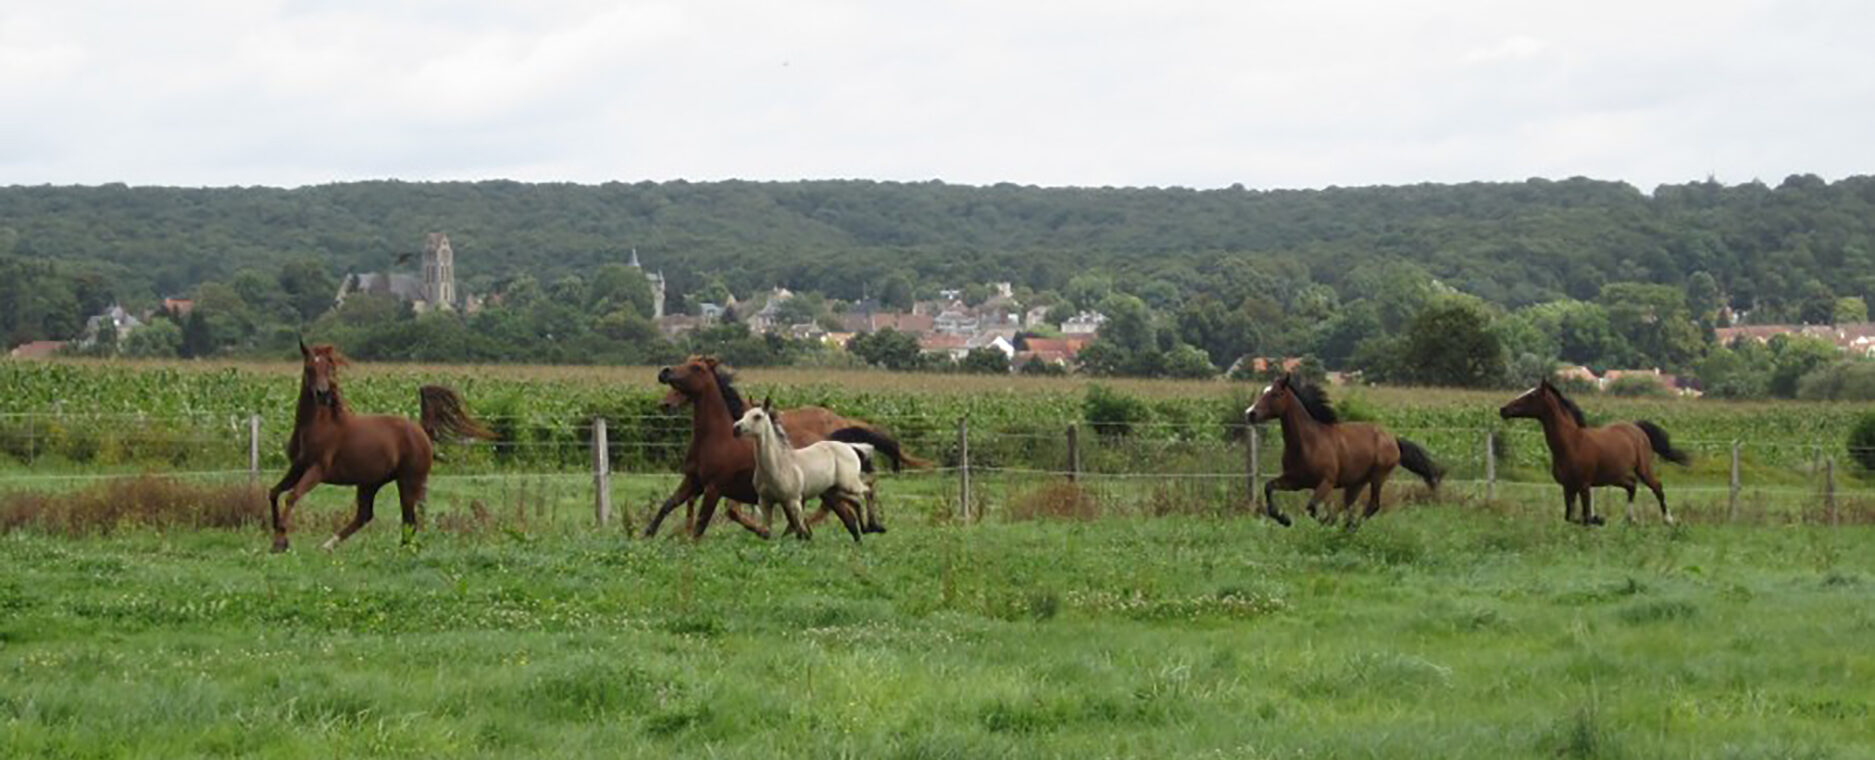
(308, 413)
(1560, 429)
(773, 457)
(1299, 427)
(710, 418)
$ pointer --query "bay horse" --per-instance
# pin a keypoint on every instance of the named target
(1583, 457)
(786, 476)
(330, 444)
(717, 465)
(805, 425)
(1321, 453)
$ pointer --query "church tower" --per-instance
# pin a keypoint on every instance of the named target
(656, 281)
(439, 272)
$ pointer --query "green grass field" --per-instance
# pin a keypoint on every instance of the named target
(1436, 631)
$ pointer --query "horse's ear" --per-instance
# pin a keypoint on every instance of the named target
(768, 403)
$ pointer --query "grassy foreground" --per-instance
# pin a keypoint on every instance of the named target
(1435, 632)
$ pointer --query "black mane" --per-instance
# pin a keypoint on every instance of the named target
(1570, 407)
(1315, 400)
(725, 382)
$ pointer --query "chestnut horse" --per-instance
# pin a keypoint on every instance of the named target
(805, 425)
(330, 444)
(1583, 457)
(718, 465)
(1321, 453)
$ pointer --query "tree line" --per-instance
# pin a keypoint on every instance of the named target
(1378, 279)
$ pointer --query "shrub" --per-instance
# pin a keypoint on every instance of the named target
(1112, 412)
(1862, 442)
(146, 500)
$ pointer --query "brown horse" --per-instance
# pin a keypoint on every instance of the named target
(1321, 453)
(808, 425)
(330, 444)
(718, 464)
(1583, 457)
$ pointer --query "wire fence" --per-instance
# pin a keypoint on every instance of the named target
(978, 470)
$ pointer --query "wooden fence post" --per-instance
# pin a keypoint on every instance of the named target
(1829, 488)
(601, 473)
(1074, 453)
(1253, 461)
(963, 468)
(253, 451)
(1731, 511)
(1490, 465)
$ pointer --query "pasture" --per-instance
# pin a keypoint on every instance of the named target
(1116, 617)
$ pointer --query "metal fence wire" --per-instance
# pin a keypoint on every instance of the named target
(1061, 470)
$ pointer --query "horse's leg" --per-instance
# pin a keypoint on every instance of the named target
(309, 477)
(791, 507)
(1348, 495)
(685, 493)
(1269, 499)
(1320, 495)
(367, 501)
(871, 522)
(844, 506)
(1629, 487)
(293, 474)
(411, 493)
(1373, 497)
(1653, 484)
(708, 510)
(1588, 507)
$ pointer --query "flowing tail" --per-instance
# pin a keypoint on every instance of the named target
(886, 445)
(866, 452)
(444, 413)
(1658, 439)
(1415, 459)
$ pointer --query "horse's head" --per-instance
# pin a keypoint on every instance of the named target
(1531, 404)
(757, 419)
(689, 380)
(1272, 403)
(319, 372)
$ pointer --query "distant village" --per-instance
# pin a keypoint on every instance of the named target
(945, 326)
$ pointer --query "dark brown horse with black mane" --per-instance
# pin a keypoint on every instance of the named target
(1583, 457)
(803, 425)
(330, 444)
(1321, 453)
(719, 465)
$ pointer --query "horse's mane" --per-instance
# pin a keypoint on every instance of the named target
(1315, 400)
(725, 382)
(1570, 407)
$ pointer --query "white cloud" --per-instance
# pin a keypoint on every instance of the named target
(1183, 93)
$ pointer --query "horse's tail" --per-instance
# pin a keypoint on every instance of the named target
(1415, 459)
(1658, 439)
(866, 452)
(444, 413)
(886, 445)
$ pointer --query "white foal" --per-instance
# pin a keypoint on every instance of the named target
(788, 476)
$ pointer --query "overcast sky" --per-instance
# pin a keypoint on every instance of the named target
(1300, 93)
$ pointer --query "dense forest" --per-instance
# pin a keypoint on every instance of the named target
(1575, 270)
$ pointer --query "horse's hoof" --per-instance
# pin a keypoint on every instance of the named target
(1595, 520)
(330, 544)
(1281, 519)
(279, 545)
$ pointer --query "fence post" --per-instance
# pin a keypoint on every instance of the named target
(963, 468)
(1490, 465)
(1829, 488)
(253, 451)
(601, 473)
(1074, 453)
(1731, 511)
(1253, 461)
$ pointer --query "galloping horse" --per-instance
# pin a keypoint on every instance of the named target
(1321, 453)
(718, 465)
(785, 475)
(330, 444)
(1583, 457)
(805, 425)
